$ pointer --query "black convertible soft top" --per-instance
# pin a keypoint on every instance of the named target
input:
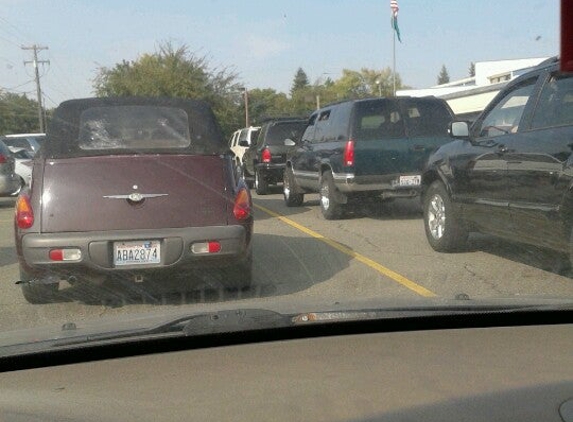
(132, 125)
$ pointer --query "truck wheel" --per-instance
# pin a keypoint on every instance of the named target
(261, 184)
(289, 186)
(444, 230)
(330, 207)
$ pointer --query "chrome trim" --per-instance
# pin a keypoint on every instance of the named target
(136, 196)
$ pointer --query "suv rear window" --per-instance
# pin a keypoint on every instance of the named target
(378, 120)
(280, 131)
(427, 118)
(133, 127)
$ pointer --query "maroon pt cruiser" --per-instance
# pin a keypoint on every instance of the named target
(133, 188)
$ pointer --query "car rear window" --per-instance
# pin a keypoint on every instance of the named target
(133, 127)
(280, 131)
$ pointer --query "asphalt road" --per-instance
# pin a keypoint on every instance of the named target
(381, 253)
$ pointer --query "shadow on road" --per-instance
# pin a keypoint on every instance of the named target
(543, 259)
(282, 266)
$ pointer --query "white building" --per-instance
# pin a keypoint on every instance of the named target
(468, 97)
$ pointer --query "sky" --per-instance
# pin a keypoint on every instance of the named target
(265, 42)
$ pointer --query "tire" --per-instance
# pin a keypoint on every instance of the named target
(261, 185)
(331, 208)
(442, 224)
(22, 186)
(37, 293)
(289, 186)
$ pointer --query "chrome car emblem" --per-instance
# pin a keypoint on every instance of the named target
(136, 196)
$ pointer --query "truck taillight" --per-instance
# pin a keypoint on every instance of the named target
(266, 156)
(348, 156)
(242, 206)
(24, 213)
(3, 159)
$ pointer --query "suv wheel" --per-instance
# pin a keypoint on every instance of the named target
(330, 207)
(291, 199)
(261, 184)
(444, 230)
(37, 293)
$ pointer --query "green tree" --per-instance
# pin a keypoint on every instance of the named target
(365, 83)
(300, 81)
(18, 114)
(175, 72)
(443, 77)
(265, 103)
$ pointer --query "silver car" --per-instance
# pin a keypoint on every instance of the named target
(10, 183)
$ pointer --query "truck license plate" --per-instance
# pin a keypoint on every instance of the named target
(410, 180)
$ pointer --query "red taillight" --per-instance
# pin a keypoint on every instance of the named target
(24, 213)
(266, 156)
(2, 159)
(242, 207)
(348, 157)
(214, 247)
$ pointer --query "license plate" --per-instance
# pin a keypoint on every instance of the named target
(410, 180)
(136, 253)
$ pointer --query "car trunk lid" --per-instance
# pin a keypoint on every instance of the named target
(133, 192)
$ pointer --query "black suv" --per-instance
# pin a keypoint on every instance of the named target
(264, 161)
(365, 149)
(511, 173)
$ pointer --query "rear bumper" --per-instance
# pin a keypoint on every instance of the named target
(175, 244)
(386, 185)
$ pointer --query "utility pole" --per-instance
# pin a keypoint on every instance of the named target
(246, 94)
(35, 63)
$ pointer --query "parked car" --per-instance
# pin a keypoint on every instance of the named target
(366, 149)
(241, 140)
(9, 181)
(22, 165)
(30, 141)
(128, 188)
(264, 161)
(510, 173)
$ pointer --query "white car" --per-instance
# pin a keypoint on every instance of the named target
(30, 141)
(241, 140)
(22, 165)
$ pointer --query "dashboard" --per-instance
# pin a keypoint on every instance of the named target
(522, 373)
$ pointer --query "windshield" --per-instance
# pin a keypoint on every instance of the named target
(139, 208)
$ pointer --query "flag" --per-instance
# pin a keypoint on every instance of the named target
(394, 18)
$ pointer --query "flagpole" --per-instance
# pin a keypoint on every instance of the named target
(394, 63)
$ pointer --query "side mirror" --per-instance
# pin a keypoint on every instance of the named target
(459, 130)
(289, 142)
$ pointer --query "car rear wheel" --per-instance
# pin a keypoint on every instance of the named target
(331, 208)
(291, 198)
(261, 184)
(37, 293)
(442, 224)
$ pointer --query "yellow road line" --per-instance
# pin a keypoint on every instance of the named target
(422, 291)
